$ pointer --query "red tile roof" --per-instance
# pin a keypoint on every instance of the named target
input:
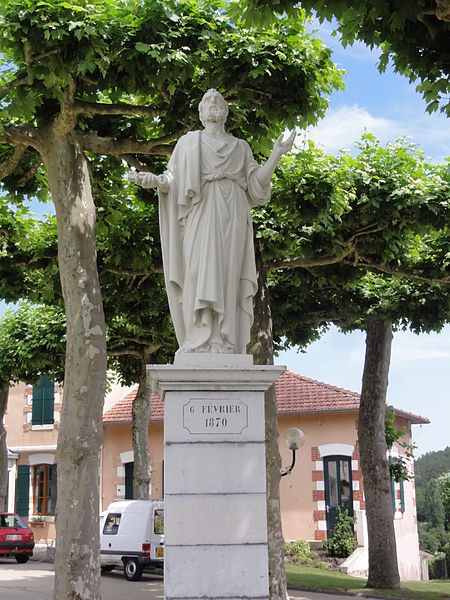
(295, 394)
(121, 411)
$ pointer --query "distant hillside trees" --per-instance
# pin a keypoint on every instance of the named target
(433, 500)
(431, 465)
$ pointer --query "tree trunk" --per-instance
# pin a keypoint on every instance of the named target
(140, 421)
(383, 569)
(261, 347)
(4, 392)
(77, 562)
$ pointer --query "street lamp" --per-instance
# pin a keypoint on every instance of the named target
(293, 438)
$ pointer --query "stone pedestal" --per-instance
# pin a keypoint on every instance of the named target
(215, 476)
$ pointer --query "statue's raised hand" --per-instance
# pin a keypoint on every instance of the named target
(281, 147)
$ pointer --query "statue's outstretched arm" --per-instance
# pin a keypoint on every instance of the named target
(147, 180)
(265, 172)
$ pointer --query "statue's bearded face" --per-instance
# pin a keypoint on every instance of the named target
(213, 108)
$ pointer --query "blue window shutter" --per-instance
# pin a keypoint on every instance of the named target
(23, 490)
(37, 406)
(402, 496)
(53, 489)
(43, 402)
(391, 460)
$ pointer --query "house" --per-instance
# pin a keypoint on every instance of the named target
(32, 422)
(327, 473)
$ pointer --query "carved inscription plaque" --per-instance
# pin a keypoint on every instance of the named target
(223, 416)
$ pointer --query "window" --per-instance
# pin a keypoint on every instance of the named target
(402, 491)
(111, 526)
(159, 521)
(43, 402)
(44, 489)
(12, 521)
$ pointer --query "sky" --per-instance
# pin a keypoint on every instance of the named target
(388, 106)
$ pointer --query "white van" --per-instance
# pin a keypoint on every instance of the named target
(132, 536)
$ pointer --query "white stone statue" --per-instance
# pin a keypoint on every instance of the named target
(205, 196)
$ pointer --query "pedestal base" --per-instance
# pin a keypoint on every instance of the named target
(215, 476)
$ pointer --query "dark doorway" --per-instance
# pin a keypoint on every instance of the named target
(129, 469)
(338, 488)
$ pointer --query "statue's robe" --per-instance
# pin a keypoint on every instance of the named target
(207, 241)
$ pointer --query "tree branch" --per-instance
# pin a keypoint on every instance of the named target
(229, 93)
(142, 280)
(150, 347)
(125, 353)
(368, 229)
(66, 120)
(38, 57)
(124, 273)
(306, 263)
(92, 108)
(25, 80)
(30, 173)
(5, 235)
(90, 80)
(443, 10)
(429, 24)
(165, 94)
(109, 145)
(21, 134)
(9, 165)
(400, 273)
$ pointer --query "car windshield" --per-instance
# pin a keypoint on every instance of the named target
(12, 521)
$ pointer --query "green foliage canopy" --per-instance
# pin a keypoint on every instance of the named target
(32, 342)
(414, 35)
(131, 75)
(349, 237)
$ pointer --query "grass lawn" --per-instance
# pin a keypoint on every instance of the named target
(309, 578)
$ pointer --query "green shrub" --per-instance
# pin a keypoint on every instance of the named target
(432, 539)
(447, 557)
(299, 553)
(342, 543)
(437, 567)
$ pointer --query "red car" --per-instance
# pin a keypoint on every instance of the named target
(16, 538)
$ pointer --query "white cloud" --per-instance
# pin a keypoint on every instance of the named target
(343, 126)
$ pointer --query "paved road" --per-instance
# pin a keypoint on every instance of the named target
(35, 580)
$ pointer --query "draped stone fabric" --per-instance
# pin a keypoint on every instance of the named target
(207, 241)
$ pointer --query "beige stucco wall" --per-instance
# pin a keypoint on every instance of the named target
(19, 431)
(297, 498)
(117, 440)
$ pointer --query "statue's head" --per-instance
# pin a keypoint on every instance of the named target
(213, 107)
